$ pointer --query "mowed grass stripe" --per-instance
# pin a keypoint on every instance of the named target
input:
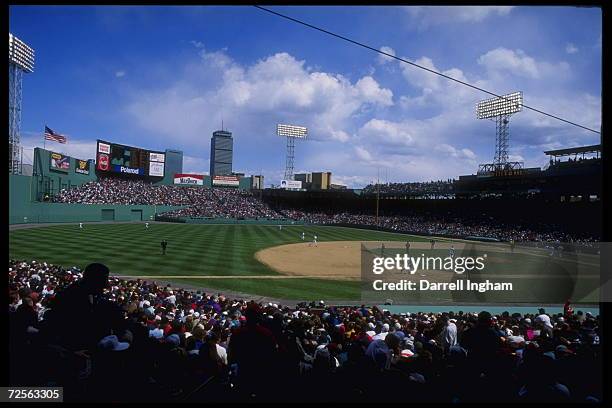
(199, 250)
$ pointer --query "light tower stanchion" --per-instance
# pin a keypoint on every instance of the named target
(290, 158)
(291, 132)
(21, 60)
(500, 109)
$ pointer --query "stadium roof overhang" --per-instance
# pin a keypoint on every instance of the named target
(574, 150)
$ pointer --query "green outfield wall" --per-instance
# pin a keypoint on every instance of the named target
(25, 209)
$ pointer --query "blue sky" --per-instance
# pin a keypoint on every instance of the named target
(164, 77)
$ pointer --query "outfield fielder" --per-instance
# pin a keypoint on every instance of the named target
(80, 225)
(146, 225)
(303, 235)
(315, 240)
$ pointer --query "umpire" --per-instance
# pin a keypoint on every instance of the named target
(164, 244)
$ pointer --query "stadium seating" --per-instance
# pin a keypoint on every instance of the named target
(171, 344)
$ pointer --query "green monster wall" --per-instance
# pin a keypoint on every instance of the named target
(23, 209)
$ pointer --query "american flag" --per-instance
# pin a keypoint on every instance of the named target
(56, 137)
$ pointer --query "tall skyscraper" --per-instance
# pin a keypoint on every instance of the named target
(221, 153)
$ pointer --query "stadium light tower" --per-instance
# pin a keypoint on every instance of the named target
(21, 60)
(500, 109)
(291, 132)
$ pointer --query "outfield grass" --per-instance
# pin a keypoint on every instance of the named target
(197, 250)
(229, 250)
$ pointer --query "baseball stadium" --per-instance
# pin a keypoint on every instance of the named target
(139, 279)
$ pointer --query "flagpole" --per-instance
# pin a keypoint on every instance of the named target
(44, 141)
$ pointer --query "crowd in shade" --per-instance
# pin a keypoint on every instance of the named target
(234, 203)
(108, 339)
(456, 227)
(427, 188)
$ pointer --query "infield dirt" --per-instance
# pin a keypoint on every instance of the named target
(339, 260)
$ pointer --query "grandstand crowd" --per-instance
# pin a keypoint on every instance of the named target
(201, 202)
(235, 203)
(107, 339)
(457, 227)
(427, 188)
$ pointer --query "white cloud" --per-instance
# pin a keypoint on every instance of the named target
(119, 74)
(363, 154)
(383, 59)
(516, 62)
(277, 87)
(370, 91)
(451, 151)
(571, 48)
(197, 44)
(426, 16)
(386, 133)
(435, 136)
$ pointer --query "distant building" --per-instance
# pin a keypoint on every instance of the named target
(321, 180)
(173, 165)
(257, 182)
(305, 178)
(337, 187)
(221, 153)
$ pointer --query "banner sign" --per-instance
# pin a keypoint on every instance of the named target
(156, 168)
(60, 162)
(104, 148)
(81, 166)
(291, 184)
(103, 162)
(231, 181)
(192, 179)
(127, 170)
(157, 157)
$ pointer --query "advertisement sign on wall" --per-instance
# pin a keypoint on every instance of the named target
(157, 157)
(192, 179)
(229, 181)
(103, 162)
(60, 162)
(104, 148)
(156, 169)
(81, 166)
(290, 184)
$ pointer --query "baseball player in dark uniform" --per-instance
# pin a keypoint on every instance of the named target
(164, 244)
